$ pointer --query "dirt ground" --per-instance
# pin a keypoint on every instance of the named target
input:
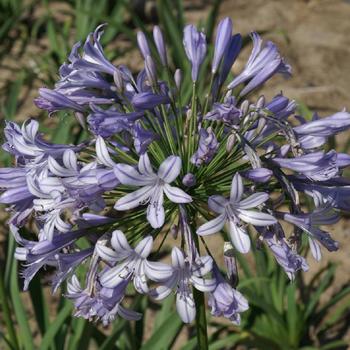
(314, 37)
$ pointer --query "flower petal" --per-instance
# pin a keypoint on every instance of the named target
(212, 226)
(106, 254)
(239, 238)
(254, 200)
(120, 244)
(144, 247)
(176, 195)
(129, 315)
(236, 188)
(202, 284)
(170, 169)
(128, 175)
(177, 258)
(315, 249)
(155, 209)
(185, 307)
(134, 199)
(256, 218)
(157, 271)
(145, 166)
(160, 292)
(102, 153)
(217, 204)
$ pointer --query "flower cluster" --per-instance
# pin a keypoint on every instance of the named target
(157, 162)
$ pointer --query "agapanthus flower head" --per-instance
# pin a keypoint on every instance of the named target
(156, 163)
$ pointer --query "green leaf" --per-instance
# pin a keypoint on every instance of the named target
(60, 319)
(227, 342)
(26, 338)
(164, 312)
(165, 335)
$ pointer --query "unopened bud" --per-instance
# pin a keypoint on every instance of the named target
(174, 231)
(261, 125)
(230, 143)
(143, 44)
(160, 45)
(189, 180)
(231, 264)
(118, 80)
(261, 102)
(178, 78)
(81, 119)
(151, 70)
(245, 107)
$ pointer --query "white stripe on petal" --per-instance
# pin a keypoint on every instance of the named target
(239, 238)
(134, 199)
(170, 169)
(176, 195)
(253, 201)
(256, 218)
(128, 175)
(236, 189)
(212, 226)
(160, 292)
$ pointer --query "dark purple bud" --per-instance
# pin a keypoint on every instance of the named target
(160, 45)
(148, 100)
(189, 180)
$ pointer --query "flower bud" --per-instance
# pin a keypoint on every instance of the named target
(261, 102)
(118, 80)
(143, 44)
(231, 264)
(178, 78)
(230, 143)
(245, 107)
(150, 70)
(160, 45)
(189, 180)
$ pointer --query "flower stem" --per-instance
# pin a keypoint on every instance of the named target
(201, 320)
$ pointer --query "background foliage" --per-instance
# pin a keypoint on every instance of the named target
(283, 315)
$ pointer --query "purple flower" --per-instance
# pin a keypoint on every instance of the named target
(233, 210)
(111, 121)
(230, 55)
(290, 261)
(93, 57)
(225, 300)
(189, 180)
(226, 112)
(196, 47)
(207, 147)
(257, 175)
(325, 127)
(153, 187)
(181, 277)
(132, 264)
(317, 166)
(262, 64)
(148, 100)
(222, 41)
(322, 215)
(142, 138)
(102, 304)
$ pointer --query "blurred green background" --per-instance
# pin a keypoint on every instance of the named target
(35, 38)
